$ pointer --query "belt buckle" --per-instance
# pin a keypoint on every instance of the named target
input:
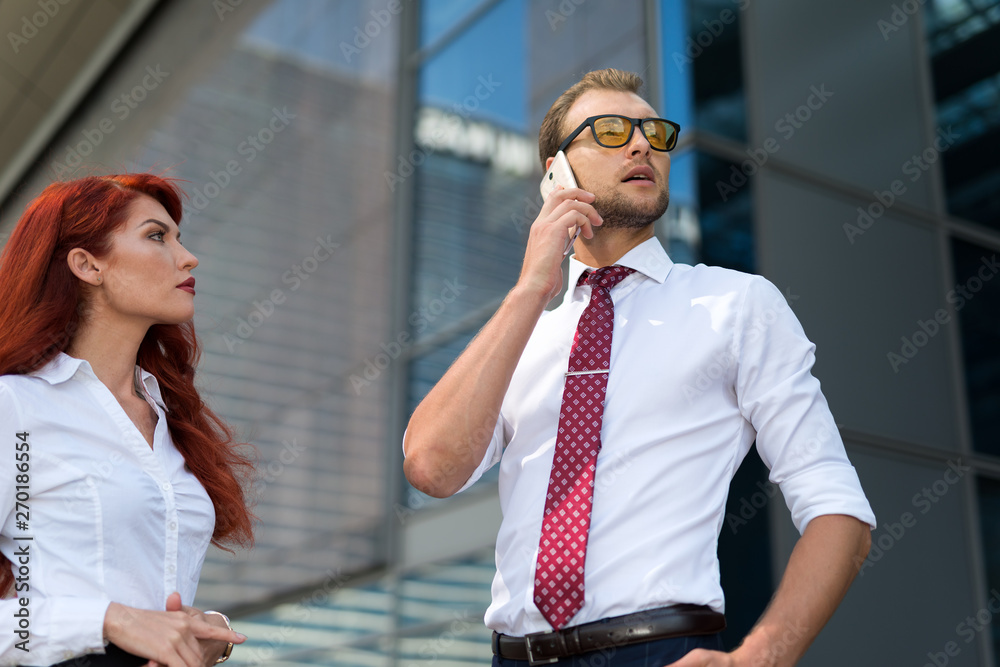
(532, 660)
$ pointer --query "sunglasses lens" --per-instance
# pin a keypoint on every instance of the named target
(612, 131)
(661, 135)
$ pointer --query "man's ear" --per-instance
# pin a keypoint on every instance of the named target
(548, 163)
(84, 266)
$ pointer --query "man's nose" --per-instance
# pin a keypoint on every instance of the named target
(639, 143)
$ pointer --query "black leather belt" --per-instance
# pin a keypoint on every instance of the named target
(546, 647)
(112, 657)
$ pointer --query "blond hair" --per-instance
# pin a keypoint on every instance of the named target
(551, 133)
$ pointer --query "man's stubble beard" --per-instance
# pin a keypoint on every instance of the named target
(619, 211)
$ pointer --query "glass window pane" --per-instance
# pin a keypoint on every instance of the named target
(678, 103)
(965, 66)
(714, 52)
(354, 38)
(976, 297)
(439, 16)
(481, 74)
(989, 518)
(679, 230)
(468, 240)
(744, 548)
(724, 195)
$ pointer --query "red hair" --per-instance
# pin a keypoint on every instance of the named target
(40, 310)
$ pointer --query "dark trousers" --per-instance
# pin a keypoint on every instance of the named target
(656, 653)
(112, 657)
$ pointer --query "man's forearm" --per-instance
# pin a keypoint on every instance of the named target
(451, 428)
(820, 570)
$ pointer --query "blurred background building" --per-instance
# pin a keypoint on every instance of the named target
(362, 175)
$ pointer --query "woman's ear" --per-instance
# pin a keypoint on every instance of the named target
(84, 266)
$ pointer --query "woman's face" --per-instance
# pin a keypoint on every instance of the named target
(147, 274)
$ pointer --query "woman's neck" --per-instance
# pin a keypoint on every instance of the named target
(111, 349)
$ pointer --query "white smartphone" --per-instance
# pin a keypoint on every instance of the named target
(560, 173)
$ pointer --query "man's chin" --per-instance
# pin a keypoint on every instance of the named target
(621, 212)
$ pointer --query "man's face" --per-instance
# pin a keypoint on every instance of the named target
(621, 201)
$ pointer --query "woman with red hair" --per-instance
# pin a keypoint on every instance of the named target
(114, 475)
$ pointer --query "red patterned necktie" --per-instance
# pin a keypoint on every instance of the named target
(562, 548)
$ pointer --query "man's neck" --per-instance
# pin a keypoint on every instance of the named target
(610, 245)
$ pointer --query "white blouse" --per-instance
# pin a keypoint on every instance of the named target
(90, 514)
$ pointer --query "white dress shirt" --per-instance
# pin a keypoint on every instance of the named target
(111, 519)
(703, 361)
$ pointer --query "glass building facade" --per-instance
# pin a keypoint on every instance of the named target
(361, 180)
(965, 68)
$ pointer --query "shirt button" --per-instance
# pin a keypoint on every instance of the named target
(165, 486)
(171, 569)
(172, 525)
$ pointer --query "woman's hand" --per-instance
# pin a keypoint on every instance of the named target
(211, 649)
(168, 638)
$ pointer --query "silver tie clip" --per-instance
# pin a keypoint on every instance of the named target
(606, 370)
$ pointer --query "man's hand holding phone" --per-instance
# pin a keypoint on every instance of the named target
(567, 212)
(560, 175)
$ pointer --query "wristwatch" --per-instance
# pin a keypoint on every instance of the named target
(229, 649)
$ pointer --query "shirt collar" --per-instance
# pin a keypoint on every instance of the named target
(63, 367)
(648, 258)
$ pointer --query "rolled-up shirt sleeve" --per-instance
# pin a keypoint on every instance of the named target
(797, 437)
(36, 630)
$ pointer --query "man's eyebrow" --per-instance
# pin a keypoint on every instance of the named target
(161, 224)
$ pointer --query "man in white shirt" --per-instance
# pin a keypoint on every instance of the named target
(702, 362)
